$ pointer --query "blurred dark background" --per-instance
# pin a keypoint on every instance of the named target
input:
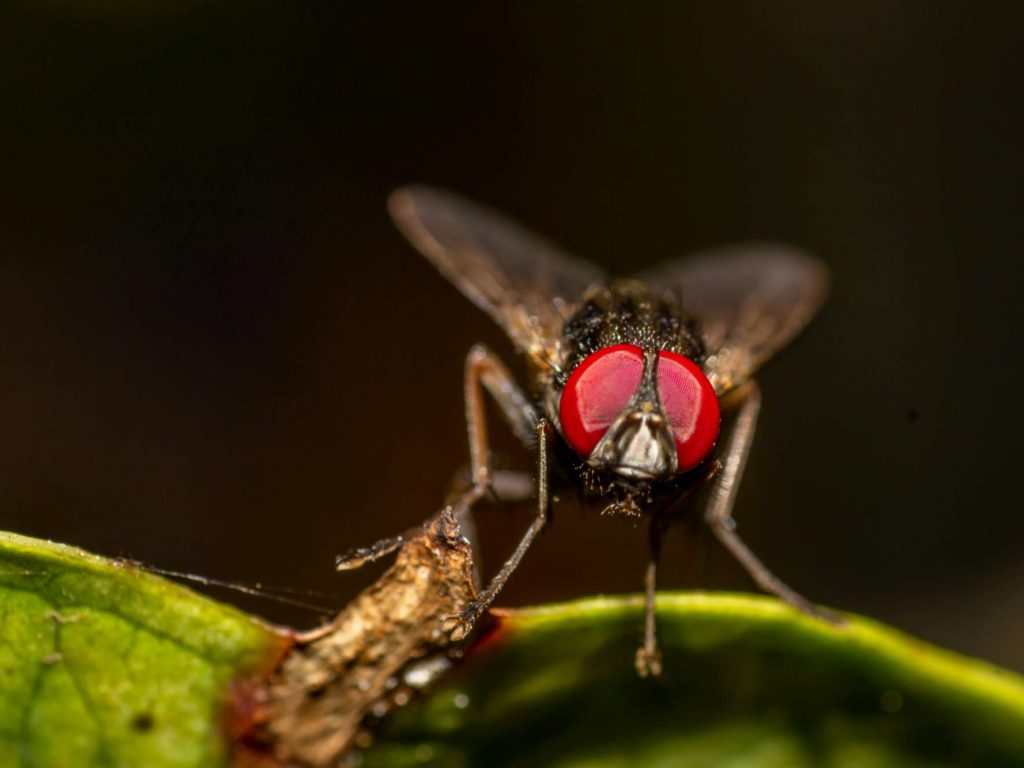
(218, 356)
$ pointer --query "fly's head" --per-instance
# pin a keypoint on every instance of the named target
(632, 401)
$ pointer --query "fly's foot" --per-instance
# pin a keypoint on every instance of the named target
(821, 614)
(808, 608)
(648, 662)
(459, 625)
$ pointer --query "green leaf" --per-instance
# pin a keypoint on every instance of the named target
(748, 683)
(102, 664)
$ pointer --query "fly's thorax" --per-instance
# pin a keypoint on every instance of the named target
(621, 312)
(627, 312)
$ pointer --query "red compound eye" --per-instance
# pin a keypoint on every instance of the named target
(597, 391)
(690, 404)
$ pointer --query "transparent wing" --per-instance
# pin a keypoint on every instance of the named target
(524, 282)
(750, 300)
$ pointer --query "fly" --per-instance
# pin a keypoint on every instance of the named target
(629, 380)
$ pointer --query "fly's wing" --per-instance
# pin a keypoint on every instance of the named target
(750, 301)
(524, 282)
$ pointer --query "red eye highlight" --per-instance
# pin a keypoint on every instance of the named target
(691, 406)
(597, 391)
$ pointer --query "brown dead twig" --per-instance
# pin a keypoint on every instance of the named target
(384, 643)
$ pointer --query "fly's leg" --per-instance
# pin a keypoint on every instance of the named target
(511, 486)
(718, 512)
(460, 624)
(648, 657)
(484, 371)
(507, 487)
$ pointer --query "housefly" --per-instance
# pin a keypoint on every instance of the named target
(629, 379)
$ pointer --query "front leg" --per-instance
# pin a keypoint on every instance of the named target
(485, 372)
(460, 625)
(648, 656)
(718, 512)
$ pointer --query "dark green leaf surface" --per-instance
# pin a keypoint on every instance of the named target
(748, 683)
(102, 664)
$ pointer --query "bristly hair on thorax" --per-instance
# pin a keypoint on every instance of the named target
(628, 312)
(623, 312)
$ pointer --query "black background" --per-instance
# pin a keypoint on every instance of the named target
(217, 355)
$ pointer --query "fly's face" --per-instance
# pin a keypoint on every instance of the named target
(631, 399)
(637, 443)
(641, 414)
